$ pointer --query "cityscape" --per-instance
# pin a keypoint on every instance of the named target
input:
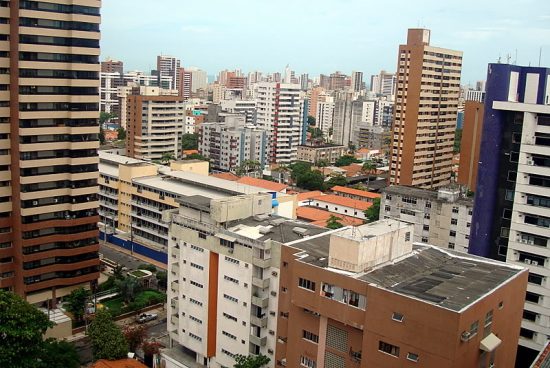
(182, 216)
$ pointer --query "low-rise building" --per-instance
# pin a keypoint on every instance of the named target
(326, 152)
(440, 217)
(369, 297)
(361, 195)
(343, 206)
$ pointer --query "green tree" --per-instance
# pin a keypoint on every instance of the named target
(105, 117)
(311, 120)
(336, 179)
(128, 288)
(248, 167)
(316, 133)
(59, 354)
(251, 361)
(346, 160)
(162, 279)
(118, 272)
(121, 134)
(352, 148)
(134, 335)
(311, 180)
(77, 302)
(458, 139)
(107, 339)
(148, 267)
(21, 329)
(368, 168)
(196, 156)
(373, 212)
(101, 136)
(333, 222)
(190, 141)
(298, 168)
(167, 157)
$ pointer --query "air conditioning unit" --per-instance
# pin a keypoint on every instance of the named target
(528, 261)
(35, 203)
(465, 336)
(530, 241)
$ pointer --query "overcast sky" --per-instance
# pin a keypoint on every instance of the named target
(320, 36)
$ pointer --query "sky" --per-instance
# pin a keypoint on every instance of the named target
(321, 36)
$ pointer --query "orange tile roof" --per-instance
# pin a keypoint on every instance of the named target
(226, 176)
(343, 201)
(363, 150)
(122, 363)
(320, 217)
(261, 183)
(352, 170)
(190, 152)
(357, 192)
(308, 195)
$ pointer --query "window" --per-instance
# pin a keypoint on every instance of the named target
(306, 284)
(405, 211)
(507, 213)
(452, 233)
(229, 297)
(428, 204)
(231, 336)
(310, 336)
(426, 227)
(398, 317)
(454, 222)
(451, 245)
(388, 348)
(512, 175)
(410, 200)
(424, 239)
(408, 236)
(455, 210)
(387, 208)
(193, 336)
(232, 260)
(195, 319)
(194, 283)
(489, 318)
(199, 267)
(198, 249)
(532, 297)
(388, 197)
(229, 316)
(412, 357)
(473, 328)
(307, 362)
(196, 302)
(509, 196)
(231, 279)
(228, 353)
(504, 232)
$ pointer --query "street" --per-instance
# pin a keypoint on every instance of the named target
(124, 259)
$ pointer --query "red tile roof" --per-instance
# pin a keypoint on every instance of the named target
(320, 217)
(122, 363)
(309, 195)
(343, 201)
(226, 176)
(357, 192)
(352, 170)
(261, 183)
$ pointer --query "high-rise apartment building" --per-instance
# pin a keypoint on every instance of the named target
(357, 81)
(243, 107)
(470, 144)
(111, 77)
(384, 84)
(167, 66)
(280, 112)
(511, 218)
(49, 136)
(337, 81)
(155, 123)
(304, 82)
(325, 114)
(342, 304)
(428, 88)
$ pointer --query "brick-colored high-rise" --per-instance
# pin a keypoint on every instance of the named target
(469, 145)
(49, 140)
(428, 88)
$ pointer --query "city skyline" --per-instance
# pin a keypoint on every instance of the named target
(226, 32)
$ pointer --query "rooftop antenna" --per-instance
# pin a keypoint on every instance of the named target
(540, 55)
(498, 60)
(508, 57)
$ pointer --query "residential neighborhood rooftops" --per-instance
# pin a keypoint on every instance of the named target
(226, 176)
(356, 192)
(309, 195)
(261, 183)
(121, 363)
(320, 217)
(343, 201)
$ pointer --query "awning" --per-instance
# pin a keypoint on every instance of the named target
(226, 237)
(490, 343)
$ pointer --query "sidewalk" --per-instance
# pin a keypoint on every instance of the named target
(135, 255)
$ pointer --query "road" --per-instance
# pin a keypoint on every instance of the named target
(124, 259)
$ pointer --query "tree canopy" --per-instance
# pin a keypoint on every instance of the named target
(346, 160)
(59, 354)
(190, 141)
(21, 329)
(196, 156)
(336, 179)
(458, 139)
(373, 212)
(311, 180)
(334, 222)
(298, 168)
(121, 133)
(107, 339)
(251, 361)
(76, 302)
(105, 117)
(311, 120)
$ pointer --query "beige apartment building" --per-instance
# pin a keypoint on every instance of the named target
(155, 119)
(428, 89)
(314, 154)
(49, 107)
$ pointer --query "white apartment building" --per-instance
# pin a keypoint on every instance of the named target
(167, 66)
(228, 144)
(280, 113)
(109, 92)
(384, 84)
(244, 107)
(442, 218)
(223, 278)
(325, 114)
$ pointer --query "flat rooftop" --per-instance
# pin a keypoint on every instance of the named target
(432, 195)
(448, 279)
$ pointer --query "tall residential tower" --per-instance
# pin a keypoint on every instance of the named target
(428, 88)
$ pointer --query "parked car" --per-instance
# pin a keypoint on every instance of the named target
(146, 317)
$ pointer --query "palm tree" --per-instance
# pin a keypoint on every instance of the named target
(167, 157)
(249, 166)
(368, 168)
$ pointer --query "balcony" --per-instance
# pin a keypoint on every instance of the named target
(260, 301)
(260, 341)
(261, 283)
(262, 263)
(258, 321)
(175, 286)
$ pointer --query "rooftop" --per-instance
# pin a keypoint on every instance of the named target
(432, 195)
(320, 217)
(543, 359)
(343, 201)
(226, 176)
(121, 363)
(261, 183)
(309, 195)
(448, 279)
(325, 145)
(357, 192)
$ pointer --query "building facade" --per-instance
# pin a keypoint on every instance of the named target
(470, 143)
(512, 205)
(314, 154)
(49, 136)
(342, 305)
(442, 218)
(428, 88)
(280, 112)
(167, 66)
(155, 123)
